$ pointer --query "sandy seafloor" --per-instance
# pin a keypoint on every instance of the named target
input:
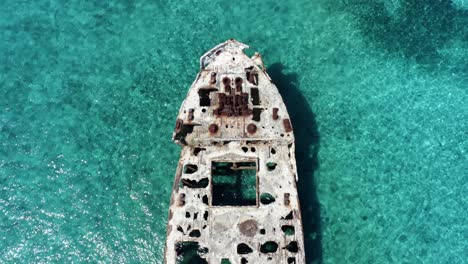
(377, 92)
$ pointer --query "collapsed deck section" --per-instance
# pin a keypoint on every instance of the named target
(232, 98)
(235, 203)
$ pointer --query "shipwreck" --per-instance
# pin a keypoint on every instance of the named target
(234, 198)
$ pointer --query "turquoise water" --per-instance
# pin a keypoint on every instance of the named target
(377, 93)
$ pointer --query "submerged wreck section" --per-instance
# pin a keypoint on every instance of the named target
(234, 198)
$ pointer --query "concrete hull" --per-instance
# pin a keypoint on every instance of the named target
(234, 198)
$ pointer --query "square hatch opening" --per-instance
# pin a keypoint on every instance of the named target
(234, 183)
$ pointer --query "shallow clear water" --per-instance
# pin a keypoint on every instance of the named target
(377, 93)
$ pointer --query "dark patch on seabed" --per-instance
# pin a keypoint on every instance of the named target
(307, 147)
(417, 29)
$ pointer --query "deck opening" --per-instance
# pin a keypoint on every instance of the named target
(190, 168)
(292, 260)
(195, 233)
(225, 261)
(179, 228)
(205, 199)
(288, 230)
(269, 247)
(271, 166)
(182, 130)
(266, 198)
(251, 76)
(243, 249)
(198, 150)
(254, 94)
(292, 247)
(202, 183)
(189, 252)
(204, 96)
(288, 216)
(244, 261)
(256, 112)
(234, 183)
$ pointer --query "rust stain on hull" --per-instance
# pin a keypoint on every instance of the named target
(234, 196)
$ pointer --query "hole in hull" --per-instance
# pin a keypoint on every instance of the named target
(292, 247)
(254, 94)
(203, 183)
(288, 230)
(195, 233)
(204, 96)
(266, 198)
(234, 183)
(205, 199)
(197, 150)
(256, 112)
(243, 249)
(271, 166)
(269, 247)
(190, 168)
(288, 216)
(189, 252)
(183, 130)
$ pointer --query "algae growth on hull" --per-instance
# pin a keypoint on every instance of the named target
(376, 91)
